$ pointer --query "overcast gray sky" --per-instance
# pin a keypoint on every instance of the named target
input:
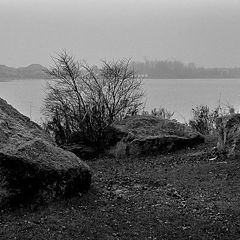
(206, 32)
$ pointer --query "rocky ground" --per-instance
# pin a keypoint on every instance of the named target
(189, 194)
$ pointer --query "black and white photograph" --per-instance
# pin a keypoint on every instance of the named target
(120, 119)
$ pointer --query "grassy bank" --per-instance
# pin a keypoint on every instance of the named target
(185, 195)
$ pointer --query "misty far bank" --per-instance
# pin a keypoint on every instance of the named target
(149, 69)
(177, 70)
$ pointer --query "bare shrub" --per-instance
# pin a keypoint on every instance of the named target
(86, 100)
(204, 119)
(161, 112)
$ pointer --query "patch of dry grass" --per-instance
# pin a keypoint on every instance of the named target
(183, 195)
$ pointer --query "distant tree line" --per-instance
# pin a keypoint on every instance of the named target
(176, 69)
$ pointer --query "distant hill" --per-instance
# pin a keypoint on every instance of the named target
(33, 71)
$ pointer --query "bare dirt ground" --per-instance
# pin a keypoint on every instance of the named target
(189, 194)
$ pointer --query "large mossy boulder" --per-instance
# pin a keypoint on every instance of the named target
(144, 135)
(228, 128)
(32, 167)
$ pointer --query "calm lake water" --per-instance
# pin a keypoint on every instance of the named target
(177, 95)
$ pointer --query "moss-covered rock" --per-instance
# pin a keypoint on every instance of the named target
(141, 135)
(32, 167)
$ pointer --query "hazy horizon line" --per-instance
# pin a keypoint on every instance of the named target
(132, 60)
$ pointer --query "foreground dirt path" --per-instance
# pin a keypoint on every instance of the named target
(185, 195)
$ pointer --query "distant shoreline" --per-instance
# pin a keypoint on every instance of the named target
(20, 79)
(144, 70)
(190, 78)
(144, 78)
